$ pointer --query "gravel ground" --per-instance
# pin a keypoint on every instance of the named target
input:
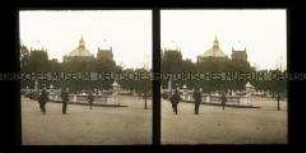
(264, 125)
(133, 125)
(82, 126)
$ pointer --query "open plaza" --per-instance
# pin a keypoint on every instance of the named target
(263, 124)
(131, 125)
(83, 126)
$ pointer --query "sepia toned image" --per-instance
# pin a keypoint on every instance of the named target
(76, 87)
(223, 74)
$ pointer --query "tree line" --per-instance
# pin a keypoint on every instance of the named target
(171, 63)
(37, 61)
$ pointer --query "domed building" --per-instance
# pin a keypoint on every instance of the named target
(214, 53)
(81, 53)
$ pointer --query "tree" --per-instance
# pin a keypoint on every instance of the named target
(144, 84)
(188, 68)
(24, 58)
(36, 62)
(106, 65)
(171, 63)
(77, 66)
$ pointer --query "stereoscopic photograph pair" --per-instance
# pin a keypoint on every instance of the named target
(88, 77)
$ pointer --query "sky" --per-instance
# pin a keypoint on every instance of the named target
(129, 32)
(262, 32)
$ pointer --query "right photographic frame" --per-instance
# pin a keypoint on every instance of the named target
(223, 76)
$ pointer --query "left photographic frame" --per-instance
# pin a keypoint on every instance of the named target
(86, 77)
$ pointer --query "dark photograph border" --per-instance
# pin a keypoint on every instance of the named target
(10, 105)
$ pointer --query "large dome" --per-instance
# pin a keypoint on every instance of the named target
(215, 51)
(80, 50)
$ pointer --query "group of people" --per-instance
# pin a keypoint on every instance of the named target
(43, 99)
(175, 99)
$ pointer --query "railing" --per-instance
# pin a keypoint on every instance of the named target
(79, 98)
(245, 100)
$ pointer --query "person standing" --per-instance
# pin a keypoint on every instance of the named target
(65, 99)
(223, 100)
(278, 99)
(90, 99)
(145, 96)
(42, 100)
(197, 101)
(175, 100)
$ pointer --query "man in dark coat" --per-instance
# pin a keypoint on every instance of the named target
(65, 99)
(145, 96)
(175, 98)
(90, 99)
(278, 99)
(223, 100)
(197, 101)
(42, 100)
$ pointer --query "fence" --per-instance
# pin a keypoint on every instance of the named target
(239, 101)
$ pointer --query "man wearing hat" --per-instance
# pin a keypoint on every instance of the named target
(42, 100)
(175, 98)
(197, 101)
(65, 99)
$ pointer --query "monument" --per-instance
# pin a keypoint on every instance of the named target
(36, 86)
(116, 88)
(247, 101)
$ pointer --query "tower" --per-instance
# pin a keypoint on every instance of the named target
(82, 43)
(239, 55)
(216, 43)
